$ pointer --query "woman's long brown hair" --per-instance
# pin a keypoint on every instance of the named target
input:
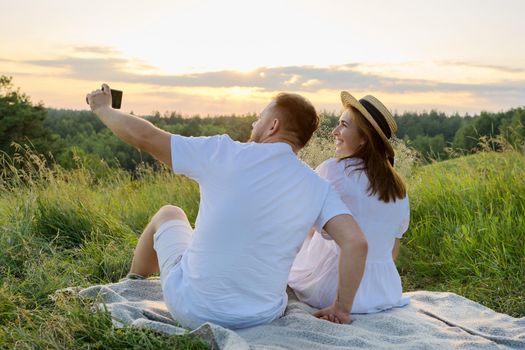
(383, 178)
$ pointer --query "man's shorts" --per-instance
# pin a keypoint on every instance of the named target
(170, 242)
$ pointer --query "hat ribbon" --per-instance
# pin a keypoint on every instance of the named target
(378, 117)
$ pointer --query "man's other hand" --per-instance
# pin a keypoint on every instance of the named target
(334, 314)
(99, 98)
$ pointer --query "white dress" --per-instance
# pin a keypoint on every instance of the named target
(314, 273)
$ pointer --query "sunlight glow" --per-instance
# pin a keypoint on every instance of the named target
(231, 56)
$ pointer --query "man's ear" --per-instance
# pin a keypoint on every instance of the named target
(274, 127)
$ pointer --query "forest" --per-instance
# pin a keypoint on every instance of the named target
(69, 136)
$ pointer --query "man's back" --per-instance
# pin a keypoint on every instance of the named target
(214, 272)
(258, 202)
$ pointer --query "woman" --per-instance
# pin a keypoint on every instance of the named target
(364, 177)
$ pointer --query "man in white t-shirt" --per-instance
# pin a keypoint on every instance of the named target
(258, 202)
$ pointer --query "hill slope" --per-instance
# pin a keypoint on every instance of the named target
(467, 233)
(73, 228)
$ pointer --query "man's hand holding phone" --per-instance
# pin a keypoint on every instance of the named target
(104, 97)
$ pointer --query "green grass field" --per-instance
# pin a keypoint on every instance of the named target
(75, 228)
(467, 233)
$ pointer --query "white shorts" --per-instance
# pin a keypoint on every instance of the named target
(170, 242)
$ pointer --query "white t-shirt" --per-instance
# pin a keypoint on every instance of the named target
(314, 274)
(258, 202)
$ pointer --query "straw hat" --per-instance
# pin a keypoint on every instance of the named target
(376, 113)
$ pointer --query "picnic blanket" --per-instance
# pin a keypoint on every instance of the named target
(433, 320)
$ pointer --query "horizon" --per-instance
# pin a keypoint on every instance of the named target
(395, 113)
(228, 58)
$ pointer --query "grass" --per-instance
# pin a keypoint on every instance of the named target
(468, 230)
(60, 229)
(75, 228)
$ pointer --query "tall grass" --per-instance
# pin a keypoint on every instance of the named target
(468, 230)
(79, 227)
(74, 228)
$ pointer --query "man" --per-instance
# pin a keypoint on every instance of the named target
(258, 202)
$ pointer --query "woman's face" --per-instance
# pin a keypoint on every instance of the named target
(347, 137)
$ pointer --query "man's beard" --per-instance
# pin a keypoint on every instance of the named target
(254, 137)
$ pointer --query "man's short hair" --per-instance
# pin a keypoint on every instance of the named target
(298, 116)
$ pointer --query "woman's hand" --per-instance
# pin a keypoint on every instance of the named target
(334, 314)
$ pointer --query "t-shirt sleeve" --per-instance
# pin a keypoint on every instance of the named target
(196, 156)
(403, 226)
(332, 206)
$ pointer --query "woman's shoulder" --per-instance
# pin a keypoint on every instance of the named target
(327, 164)
(345, 172)
(339, 163)
(330, 167)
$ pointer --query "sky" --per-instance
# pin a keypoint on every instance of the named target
(224, 57)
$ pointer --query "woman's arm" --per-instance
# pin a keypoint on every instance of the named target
(311, 233)
(395, 250)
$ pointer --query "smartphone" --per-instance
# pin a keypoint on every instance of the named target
(116, 98)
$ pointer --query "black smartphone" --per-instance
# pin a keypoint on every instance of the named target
(116, 99)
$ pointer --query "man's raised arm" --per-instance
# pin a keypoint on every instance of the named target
(354, 248)
(133, 130)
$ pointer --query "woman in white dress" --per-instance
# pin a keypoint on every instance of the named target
(364, 176)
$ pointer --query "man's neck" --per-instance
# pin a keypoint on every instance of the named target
(280, 138)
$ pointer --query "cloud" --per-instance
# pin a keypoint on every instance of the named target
(101, 50)
(290, 78)
(500, 68)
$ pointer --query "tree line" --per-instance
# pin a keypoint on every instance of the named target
(68, 136)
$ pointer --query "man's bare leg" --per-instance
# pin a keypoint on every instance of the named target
(145, 262)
